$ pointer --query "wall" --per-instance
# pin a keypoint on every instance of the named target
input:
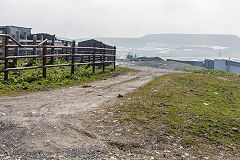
(220, 64)
(232, 63)
(234, 69)
(12, 31)
(209, 64)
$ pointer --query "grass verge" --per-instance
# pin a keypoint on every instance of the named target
(199, 111)
(31, 80)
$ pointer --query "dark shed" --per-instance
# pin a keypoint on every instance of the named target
(92, 43)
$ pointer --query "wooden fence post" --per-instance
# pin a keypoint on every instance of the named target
(6, 55)
(25, 38)
(53, 49)
(41, 39)
(66, 52)
(104, 52)
(3, 42)
(114, 58)
(101, 52)
(44, 61)
(73, 57)
(94, 52)
(16, 50)
(34, 43)
(89, 57)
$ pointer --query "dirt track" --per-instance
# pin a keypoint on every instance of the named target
(50, 124)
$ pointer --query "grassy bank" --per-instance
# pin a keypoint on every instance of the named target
(31, 80)
(197, 111)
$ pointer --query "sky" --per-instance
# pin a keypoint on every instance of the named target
(122, 18)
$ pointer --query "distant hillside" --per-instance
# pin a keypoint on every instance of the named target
(178, 45)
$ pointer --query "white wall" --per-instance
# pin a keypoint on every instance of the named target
(220, 64)
(234, 69)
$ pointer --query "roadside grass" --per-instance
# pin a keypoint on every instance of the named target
(199, 111)
(31, 80)
(1, 64)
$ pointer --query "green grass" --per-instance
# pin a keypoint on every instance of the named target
(1, 65)
(197, 110)
(31, 80)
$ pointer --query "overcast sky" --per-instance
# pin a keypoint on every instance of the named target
(122, 18)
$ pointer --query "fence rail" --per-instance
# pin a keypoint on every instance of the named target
(76, 55)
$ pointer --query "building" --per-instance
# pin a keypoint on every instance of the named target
(13, 31)
(226, 65)
(208, 63)
(233, 67)
(17, 33)
(220, 64)
(24, 36)
(92, 43)
(217, 64)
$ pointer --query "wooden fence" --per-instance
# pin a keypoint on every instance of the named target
(76, 55)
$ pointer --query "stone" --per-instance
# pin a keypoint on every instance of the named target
(120, 96)
(86, 86)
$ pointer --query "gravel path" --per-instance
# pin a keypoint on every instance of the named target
(47, 124)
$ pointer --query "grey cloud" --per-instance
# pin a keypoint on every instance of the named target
(122, 18)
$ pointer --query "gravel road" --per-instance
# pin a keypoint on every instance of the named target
(48, 124)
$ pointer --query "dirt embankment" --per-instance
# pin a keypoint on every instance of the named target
(51, 124)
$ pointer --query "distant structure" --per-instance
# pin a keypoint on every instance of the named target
(99, 44)
(148, 59)
(58, 40)
(221, 64)
(129, 57)
(217, 64)
(91, 42)
(17, 32)
(136, 58)
(24, 36)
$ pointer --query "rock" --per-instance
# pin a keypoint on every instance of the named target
(4, 114)
(119, 96)
(167, 151)
(235, 129)
(47, 143)
(86, 86)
